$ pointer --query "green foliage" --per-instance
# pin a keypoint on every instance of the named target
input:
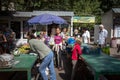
(108, 4)
(89, 26)
(80, 7)
(87, 8)
(106, 50)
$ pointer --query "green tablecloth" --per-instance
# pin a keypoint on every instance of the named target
(26, 63)
(102, 64)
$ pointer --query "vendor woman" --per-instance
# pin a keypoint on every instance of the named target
(45, 55)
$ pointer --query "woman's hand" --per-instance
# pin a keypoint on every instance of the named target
(81, 58)
(5, 40)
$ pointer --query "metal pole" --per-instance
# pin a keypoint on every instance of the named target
(21, 25)
(47, 30)
(72, 26)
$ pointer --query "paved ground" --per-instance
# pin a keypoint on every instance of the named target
(113, 53)
(60, 74)
(66, 72)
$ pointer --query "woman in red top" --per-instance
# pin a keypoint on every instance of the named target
(76, 51)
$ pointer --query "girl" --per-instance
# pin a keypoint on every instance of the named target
(76, 51)
(57, 48)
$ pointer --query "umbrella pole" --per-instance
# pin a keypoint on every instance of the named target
(60, 26)
(47, 30)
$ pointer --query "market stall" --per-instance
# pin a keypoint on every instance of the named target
(101, 64)
(23, 62)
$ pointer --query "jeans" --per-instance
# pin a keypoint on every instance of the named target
(47, 62)
(58, 59)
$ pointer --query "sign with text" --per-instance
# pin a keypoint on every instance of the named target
(81, 19)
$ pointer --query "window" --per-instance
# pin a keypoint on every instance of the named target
(26, 28)
(117, 31)
(15, 26)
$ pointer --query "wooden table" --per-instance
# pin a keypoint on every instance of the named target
(26, 63)
(102, 64)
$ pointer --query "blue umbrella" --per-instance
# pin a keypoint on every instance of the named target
(47, 19)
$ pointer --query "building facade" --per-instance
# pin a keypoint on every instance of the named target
(111, 21)
(18, 21)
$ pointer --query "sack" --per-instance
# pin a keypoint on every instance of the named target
(6, 60)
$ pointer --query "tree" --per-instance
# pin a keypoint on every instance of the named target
(87, 8)
(108, 4)
(29, 5)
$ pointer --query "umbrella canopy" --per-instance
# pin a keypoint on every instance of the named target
(47, 19)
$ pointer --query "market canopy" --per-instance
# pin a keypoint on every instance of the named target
(47, 19)
(83, 19)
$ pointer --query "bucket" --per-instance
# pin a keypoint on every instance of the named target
(114, 43)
